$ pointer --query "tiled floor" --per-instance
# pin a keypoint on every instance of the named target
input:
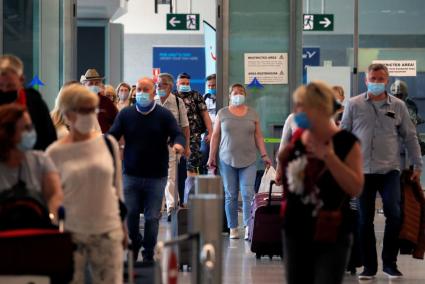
(240, 265)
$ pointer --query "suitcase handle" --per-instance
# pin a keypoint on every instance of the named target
(272, 182)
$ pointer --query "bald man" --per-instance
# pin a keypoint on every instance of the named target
(147, 129)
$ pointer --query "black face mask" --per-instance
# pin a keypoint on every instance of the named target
(8, 97)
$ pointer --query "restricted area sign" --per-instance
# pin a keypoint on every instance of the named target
(183, 22)
(318, 22)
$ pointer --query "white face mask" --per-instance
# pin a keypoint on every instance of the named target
(85, 123)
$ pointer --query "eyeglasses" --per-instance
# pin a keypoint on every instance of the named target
(161, 85)
(86, 110)
(29, 127)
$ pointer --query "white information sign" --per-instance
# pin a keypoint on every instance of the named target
(268, 68)
(399, 68)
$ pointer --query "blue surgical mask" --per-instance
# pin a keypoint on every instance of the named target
(375, 89)
(143, 99)
(237, 100)
(94, 89)
(28, 140)
(184, 88)
(161, 93)
(302, 121)
(212, 92)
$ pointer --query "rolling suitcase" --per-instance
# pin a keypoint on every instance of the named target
(46, 252)
(265, 224)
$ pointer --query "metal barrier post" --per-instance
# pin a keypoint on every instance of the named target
(205, 217)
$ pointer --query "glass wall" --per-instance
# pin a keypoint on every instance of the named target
(21, 32)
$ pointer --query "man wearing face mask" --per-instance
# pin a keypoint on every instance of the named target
(176, 106)
(107, 110)
(210, 101)
(148, 129)
(380, 121)
(12, 90)
(199, 122)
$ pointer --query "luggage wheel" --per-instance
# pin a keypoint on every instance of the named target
(270, 256)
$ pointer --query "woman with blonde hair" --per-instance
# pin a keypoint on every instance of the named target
(90, 171)
(322, 168)
(57, 118)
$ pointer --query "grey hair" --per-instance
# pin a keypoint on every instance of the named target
(168, 77)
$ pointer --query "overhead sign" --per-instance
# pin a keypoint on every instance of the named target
(268, 68)
(183, 22)
(318, 22)
(179, 59)
(399, 68)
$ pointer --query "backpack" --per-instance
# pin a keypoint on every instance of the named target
(21, 207)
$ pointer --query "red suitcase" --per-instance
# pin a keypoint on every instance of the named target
(44, 252)
(265, 224)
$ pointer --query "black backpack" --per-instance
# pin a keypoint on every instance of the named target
(21, 207)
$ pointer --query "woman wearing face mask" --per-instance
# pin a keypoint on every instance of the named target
(237, 136)
(123, 91)
(19, 162)
(322, 170)
(91, 180)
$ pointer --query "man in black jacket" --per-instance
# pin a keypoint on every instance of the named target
(12, 90)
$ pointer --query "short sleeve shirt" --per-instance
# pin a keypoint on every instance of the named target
(195, 105)
(33, 167)
(179, 112)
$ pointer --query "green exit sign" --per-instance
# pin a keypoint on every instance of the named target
(318, 22)
(183, 22)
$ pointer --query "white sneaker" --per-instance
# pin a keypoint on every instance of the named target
(246, 233)
(234, 233)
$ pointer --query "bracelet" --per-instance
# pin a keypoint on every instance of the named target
(264, 155)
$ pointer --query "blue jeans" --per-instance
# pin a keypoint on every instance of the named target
(233, 179)
(388, 185)
(144, 194)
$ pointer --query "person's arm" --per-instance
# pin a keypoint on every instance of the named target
(286, 132)
(186, 133)
(215, 139)
(347, 117)
(52, 191)
(207, 120)
(184, 123)
(349, 173)
(40, 116)
(116, 129)
(408, 132)
(259, 141)
(177, 139)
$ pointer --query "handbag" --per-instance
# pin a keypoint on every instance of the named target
(328, 224)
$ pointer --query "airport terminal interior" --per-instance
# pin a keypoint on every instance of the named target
(201, 110)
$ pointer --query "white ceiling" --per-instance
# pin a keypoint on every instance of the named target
(101, 9)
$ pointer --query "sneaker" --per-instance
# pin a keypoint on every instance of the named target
(392, 272)
(246, 233)
(234, 233)
(366, 275)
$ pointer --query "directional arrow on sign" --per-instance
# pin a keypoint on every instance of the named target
(326, 22)
(174, 21)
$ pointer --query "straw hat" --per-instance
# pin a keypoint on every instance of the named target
(91, 74)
